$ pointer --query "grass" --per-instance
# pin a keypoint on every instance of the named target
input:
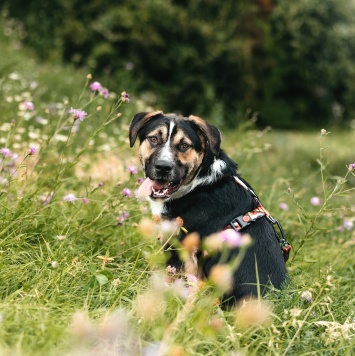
(83, 278)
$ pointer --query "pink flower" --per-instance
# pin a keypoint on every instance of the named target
(140, 180)
(5, 152)
(78, 114)
(127, 192)
(70, 198)
(95, 86)
(315, 201)
(125, 97)
(348, 224)
(133, 170)
(85, 201)
(351, 166)
(283, 206)
(122, 218)
(32, 150)
(104, 92)
(29, 105)
(231, 237)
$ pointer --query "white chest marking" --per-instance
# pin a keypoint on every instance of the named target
(156, 206)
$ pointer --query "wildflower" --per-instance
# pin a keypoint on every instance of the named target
(348, 224)
(61, 237)
(29, 105)
(5, 152)
(140, 180)
(127, 192)
(315, 201)
(254, 313)
(122, 218)
(104, 92)
(307, 296)
(283, 206)
(95, 86)
(100, 184)
(191, 242)
(85, 201)
(47, 198)
(352, 167)
(231, 238)
(78, 114)
(171, 270)
(32, 150)
(125, 97)
(222, 277)
(147, 227)
(55, 264)
(323, 132)
(105, 259)
(70, 198)
(133, 170)
(89, 76)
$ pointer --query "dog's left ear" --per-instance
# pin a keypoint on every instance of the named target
(139, 120)
(211, 133)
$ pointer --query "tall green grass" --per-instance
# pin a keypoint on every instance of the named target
(87, 278)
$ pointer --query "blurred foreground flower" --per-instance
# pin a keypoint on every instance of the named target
(5, 152)
(222, 277)
(78, 114)
(352, 167)
(348, 224)
(253, 313)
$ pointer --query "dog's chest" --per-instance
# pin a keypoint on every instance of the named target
(156, 206)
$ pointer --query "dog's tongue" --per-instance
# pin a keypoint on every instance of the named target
(145, 190)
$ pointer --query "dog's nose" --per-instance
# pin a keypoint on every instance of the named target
(163, 166)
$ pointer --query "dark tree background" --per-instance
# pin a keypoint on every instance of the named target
(291, 61)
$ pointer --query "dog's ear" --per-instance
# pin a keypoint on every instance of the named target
(139, 120)
(211, 133)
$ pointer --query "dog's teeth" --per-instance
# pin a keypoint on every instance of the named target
(154, 191)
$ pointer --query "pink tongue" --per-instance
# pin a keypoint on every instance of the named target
(145, 190)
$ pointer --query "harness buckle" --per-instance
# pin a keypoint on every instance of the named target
(285, 245)
(242, 221)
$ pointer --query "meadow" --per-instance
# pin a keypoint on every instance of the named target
(82, 271)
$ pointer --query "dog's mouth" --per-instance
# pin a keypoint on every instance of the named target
(157, 189)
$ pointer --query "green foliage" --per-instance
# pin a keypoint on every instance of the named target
(290, 61)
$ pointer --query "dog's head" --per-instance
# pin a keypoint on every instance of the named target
(172, 149)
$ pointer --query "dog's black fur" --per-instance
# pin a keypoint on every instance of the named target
(209, 208)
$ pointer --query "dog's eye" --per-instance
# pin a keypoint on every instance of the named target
(153, 140)
(184, 146)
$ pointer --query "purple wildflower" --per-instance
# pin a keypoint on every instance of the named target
(85, 201)
(125, 97)
(47, 198)
(283, 206)
(315, 201)
(348, 224)
(127, 192)
(78, 114)
(95, 86)
(351, 166)
(29, 105)
(122, 218)
(32, 150)
(5, 152)
(140, 180)
(70, 198)
(133, 170)
(104, 92)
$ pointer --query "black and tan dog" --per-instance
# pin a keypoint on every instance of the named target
(189, 176)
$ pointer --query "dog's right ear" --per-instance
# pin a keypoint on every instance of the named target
(139, 120)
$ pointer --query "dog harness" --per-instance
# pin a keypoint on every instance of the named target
(241, 221)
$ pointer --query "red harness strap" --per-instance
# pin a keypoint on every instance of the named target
(246, 219)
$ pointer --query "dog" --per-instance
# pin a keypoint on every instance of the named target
(189, 176)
